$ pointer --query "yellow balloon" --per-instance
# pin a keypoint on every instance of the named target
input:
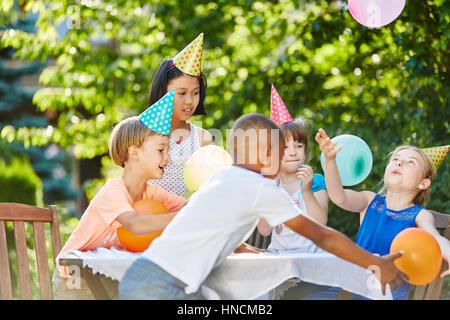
(203, 163)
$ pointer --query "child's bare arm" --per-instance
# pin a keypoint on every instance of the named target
(316, 203)
(341, 246)
(246, 248)
(347, 199)
(425, 221)
(144, 223)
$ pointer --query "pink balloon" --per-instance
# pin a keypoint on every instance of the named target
(375, 13)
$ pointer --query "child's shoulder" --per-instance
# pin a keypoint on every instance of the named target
(318, 177)
(372, 197)
(112, 184)
(113, 192)
(318, 183)
(424, 214)
(111, 187)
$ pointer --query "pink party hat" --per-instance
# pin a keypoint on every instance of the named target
(437, 155)
(189, 60)
(278, 111)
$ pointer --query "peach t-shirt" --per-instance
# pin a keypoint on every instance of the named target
(98, 224)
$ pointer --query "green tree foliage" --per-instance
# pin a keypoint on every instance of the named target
(50, 163)
(19, 183)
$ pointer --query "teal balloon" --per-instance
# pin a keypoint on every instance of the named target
(354, 161)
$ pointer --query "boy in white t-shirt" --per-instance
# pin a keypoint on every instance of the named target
(224, 212)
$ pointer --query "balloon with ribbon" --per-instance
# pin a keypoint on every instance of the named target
(354, 162)
(375, 13)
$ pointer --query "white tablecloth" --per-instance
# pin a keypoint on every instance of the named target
(248, 276)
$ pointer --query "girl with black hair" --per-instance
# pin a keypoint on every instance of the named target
(182, 74)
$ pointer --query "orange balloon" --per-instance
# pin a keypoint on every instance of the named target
(140, 242)
(422, 257)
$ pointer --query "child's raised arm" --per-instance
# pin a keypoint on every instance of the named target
(347, 199)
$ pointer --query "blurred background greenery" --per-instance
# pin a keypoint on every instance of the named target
(70, 70)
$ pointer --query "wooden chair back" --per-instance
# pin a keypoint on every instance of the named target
(19, 214)
(257, 240)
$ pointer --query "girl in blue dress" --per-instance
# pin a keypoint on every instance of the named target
(398, 206)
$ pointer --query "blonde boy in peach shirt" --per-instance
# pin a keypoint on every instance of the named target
(143, 153)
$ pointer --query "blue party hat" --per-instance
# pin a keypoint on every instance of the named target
(158, 116)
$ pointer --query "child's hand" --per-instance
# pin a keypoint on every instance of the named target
(446, 273)
(306, 174)
(389, 272)
(246, 248)
(264, 227)
(325, 144)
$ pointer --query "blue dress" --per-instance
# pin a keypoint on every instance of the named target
(376, 233)
(379, 228)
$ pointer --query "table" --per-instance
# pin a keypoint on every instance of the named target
(243, 276)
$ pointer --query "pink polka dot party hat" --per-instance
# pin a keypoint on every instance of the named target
(189, 60)
(278, 111)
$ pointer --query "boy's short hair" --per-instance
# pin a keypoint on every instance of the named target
(128, 132)
(252, 126)
(254, 120)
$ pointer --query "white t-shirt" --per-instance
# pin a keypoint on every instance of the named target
(283, 238)
(218, 218)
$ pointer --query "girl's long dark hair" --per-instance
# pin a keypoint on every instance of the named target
(166, 72)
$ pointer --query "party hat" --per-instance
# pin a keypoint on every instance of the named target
(158, 116)
(278, 111)
(437, 155)
(190, 59)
